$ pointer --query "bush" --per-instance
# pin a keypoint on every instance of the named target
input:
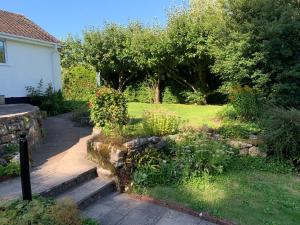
(192, 97)
(40, 211)
(79, 82)
(10, 170)
(246, 102)
(47, 99)
(108, 108)
(142, 92)
(169, 97)
(160, 122)
(281, 133)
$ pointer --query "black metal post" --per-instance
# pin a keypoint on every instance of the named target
(25, 173)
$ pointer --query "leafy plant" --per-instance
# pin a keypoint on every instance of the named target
(79, 82)
(40, 211)
(246, 102)
(194, 155)
(11, 148)
(11, 169)
(160, 122)
(281, 133)
(47, 99)
(194, 97)
(169, 97)
(108, 108)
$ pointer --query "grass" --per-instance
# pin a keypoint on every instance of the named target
(195, 115)
(243, 197)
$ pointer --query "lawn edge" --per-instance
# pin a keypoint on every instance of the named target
(178, 207)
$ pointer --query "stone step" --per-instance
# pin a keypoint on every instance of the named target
(71, 183)
(87, 193)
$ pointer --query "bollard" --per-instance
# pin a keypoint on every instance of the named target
(25, 173)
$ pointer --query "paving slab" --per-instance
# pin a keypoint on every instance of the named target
(120, 209)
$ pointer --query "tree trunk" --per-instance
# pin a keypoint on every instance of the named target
(157, 91)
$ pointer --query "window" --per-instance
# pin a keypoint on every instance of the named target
(2, 52)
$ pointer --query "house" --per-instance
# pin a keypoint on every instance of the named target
(27, 54)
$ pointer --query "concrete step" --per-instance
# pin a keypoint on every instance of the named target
(71, 183)
(87, 193)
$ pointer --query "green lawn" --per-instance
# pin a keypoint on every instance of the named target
(246, 198)
(196, 115)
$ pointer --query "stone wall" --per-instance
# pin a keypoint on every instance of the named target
(17, 119)
(118, 159)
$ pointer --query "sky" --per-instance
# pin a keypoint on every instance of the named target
(60, 17)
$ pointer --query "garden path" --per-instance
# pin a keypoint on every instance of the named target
(62, 157)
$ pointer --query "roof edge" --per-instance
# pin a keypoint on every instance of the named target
(29, 40)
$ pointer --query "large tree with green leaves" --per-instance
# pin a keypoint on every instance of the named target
(257, 43)
(108, 51)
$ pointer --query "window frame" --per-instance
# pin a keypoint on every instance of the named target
(5, 52)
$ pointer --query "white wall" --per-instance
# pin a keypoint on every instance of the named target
(26, 64)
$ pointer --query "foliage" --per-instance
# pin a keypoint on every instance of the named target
(108, 107)
(238, 129)
(194, 155)
(256, 43)
(47, 99)
(141, 92)
(169, 97)
(72, 52)
(40, 211)
(79, 82)
(160, 122)
(11, 148)
(194, 97)
(108, 50)
(281, 133)
(246, 103)
(11, 169)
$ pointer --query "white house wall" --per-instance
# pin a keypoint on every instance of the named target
(26, 65)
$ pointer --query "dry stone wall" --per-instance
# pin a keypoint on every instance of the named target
(14, 121)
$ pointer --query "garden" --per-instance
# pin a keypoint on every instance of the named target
(204, 112)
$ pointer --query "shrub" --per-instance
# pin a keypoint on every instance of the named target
(142, 92)
(40, 211)
(169, 97)
(79, 82)
(108, 108)
(281, 133)
(11, 169)
(192, 97)
(160, 122)
(47, 99)
(246, 102)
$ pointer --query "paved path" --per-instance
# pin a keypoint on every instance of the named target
(61, 156)
(120, 209)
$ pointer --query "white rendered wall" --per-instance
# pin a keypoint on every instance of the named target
(26, 65)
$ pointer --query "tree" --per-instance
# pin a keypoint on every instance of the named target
(259, 45)
(72, 52)
(108, 51)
